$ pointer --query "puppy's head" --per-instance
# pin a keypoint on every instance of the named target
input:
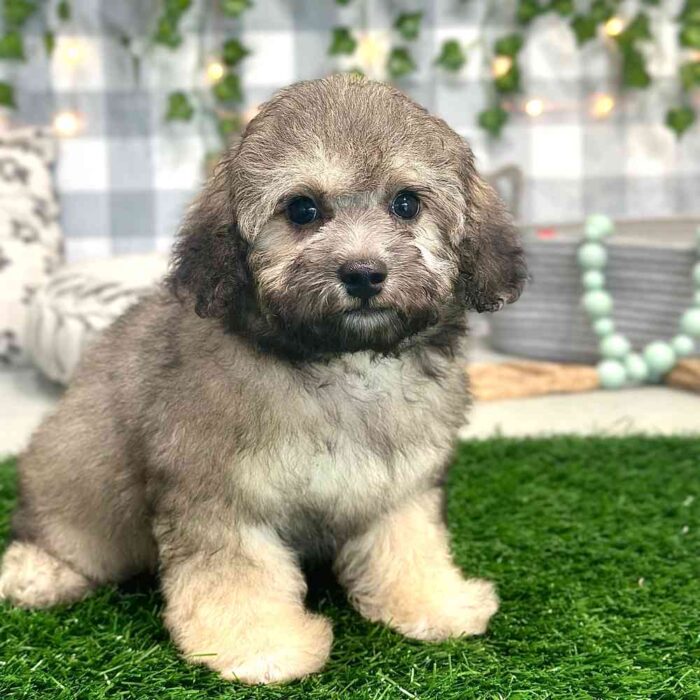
(346, 218)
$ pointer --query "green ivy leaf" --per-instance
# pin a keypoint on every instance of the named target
(400, 62)
(167, 33)
(601, 11)
(508, 82)
(690, 35)
(634, 71)
(235, 8)
(49, 42)
(343, 2)
(7, 95)
(562, 7)
(493, 120)
(12, 46)
(408, 24)
(690, 12)
(228, 125)
(637, 30)
(63, 10)
(179, 107)
(452, 56)
(176, 8)
(508, 45)
(690, 74)
(17, 12)
(527, 11)
(680, 119)
(228, 89)
(584, 28)
(234, 52)
(342, 42)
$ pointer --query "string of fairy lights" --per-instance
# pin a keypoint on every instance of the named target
(371, 52)
(601, 104)
(71, 53)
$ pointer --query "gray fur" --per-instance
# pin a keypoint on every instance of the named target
(242, 394)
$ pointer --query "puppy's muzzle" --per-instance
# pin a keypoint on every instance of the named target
(363, 279)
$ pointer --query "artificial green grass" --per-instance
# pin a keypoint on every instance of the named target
(594, 545)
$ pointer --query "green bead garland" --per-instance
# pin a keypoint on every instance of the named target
(683, 345)
(592, 256)
(690, 322)
(612, 374)
(635, 367)
(593, 279)
(598, 303)
(615, 346)
(603, 326)
(621, 366)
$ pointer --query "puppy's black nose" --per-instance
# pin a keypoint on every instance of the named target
(363, 278)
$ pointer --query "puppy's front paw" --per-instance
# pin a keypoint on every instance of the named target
(275, 654)
(463, 610)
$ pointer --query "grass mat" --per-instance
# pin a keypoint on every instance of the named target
(593, 543)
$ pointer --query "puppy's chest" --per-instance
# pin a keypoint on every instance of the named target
(359, 437)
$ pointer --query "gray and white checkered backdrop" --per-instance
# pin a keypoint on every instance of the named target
(126, 177)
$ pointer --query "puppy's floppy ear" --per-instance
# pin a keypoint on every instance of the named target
(209, 259)
(491, 259)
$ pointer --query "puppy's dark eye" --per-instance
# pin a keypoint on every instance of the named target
(302, 211)
(406, 205)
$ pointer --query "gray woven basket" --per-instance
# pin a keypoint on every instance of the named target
(648, 274)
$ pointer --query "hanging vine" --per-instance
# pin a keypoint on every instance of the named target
(400, 61)
(15, 14)
(226, 87)
(588, 21)
(628, 39)
(228, 90)
(168, 27)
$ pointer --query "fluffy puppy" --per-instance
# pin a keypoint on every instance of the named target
(294, 391)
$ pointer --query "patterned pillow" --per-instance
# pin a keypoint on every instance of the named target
(30, 236)
(79, 301)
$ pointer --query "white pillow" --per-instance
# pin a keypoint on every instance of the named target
(30, 236)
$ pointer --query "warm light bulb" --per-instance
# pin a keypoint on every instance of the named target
(602, 105)
(371, 54)
(614, 26)
(370, 50)
(71, 51)
(66, 123)
(534, 107)
(501, 65)
(215, 71)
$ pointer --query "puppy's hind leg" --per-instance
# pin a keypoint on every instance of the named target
(82, 518)
(30, 577)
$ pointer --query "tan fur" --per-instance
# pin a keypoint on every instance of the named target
(241, 612)
(400, 572)
(32, 578)
(252, 414)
